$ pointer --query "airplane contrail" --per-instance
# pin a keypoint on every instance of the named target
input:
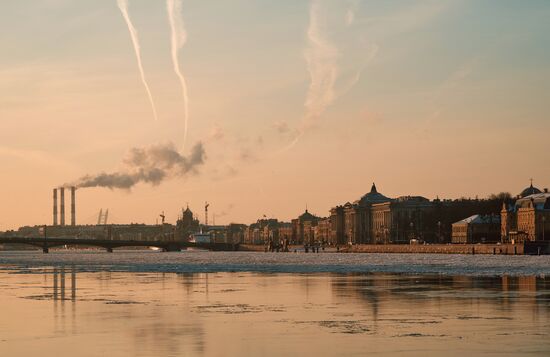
(177, 40)
(321, 59)
(123, 6)
(321, 56)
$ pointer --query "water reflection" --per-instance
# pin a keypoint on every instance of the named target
(148, 314)
(59, 288)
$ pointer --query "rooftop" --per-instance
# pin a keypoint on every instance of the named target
(529, 191)
(481, 219)
(372, 197)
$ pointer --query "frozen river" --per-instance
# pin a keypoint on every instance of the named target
(260, 304)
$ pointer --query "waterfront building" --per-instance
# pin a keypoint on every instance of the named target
(351, 223)
(377, 219)
(186, 224)
(322, 231)
(401, 220)
(302, 228)
(528, 219)
(235, 233)
(261, 231)
(477, 229)
(285, 231)
(336, 234)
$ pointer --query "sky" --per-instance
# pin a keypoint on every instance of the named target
(294, 103)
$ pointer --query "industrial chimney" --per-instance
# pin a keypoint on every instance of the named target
(62, 205)
(55, 206)
(73, 206)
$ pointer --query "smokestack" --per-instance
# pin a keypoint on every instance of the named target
(62, 205)
(73, 206)
(55, 206)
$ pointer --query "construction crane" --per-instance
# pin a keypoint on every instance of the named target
(206, 204)
(162, 216)
(102, 216)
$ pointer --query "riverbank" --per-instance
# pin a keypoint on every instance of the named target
(533, 248)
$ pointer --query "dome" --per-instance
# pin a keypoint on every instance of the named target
(529, 191)
(306, 216)
(373, 197)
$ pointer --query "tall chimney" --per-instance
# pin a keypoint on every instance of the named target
(62, 205)
(73, 206)
(55, 206)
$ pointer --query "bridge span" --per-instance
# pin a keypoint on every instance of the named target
(167, 245)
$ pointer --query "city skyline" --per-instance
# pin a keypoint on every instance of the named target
(428, 98)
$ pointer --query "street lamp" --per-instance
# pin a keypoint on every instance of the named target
(439, 231)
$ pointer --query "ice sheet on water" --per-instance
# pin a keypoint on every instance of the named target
(198, 262)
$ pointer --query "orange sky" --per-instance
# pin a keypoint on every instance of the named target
(295, 103)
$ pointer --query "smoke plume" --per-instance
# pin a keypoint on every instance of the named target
(177, 40)
(148, 165)
(123, 6)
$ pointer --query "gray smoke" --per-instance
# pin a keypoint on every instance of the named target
(148, 165)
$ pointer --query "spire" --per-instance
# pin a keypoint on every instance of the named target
(373, 188)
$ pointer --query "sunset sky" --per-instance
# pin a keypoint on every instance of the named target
(295, 102)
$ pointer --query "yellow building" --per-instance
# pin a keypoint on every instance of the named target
(528, 219)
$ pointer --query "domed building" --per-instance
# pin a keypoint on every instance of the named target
(351, 222)
(186, 224)
(528, 219)
(303, 228)
(529, 191)
(372, 197)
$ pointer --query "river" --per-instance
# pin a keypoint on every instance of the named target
(132, 303)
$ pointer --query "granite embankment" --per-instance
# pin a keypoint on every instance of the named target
(505, 249)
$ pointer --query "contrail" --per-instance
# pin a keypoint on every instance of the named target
(123, 6)
(178, 39)
(320, 56)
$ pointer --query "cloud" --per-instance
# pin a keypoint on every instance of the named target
(281, 126)
(321, 56)
(217, 133)
(350, 17)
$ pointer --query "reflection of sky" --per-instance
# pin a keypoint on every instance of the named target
(147, 314)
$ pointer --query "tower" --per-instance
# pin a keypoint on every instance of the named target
(55, 206)
(62, 206)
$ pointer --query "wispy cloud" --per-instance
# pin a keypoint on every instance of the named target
(321, 57)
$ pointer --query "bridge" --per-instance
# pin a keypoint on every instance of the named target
(167, 245)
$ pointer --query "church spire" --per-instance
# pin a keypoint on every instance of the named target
(373, 188)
